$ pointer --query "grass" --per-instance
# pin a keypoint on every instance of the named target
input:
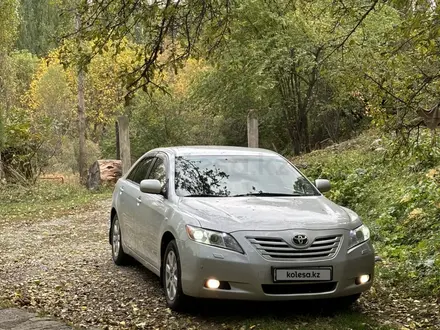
(46, 199)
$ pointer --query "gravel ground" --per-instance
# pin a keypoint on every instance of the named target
(18, 319)
(62, 267)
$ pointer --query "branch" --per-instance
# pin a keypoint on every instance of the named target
(353, 30)
(386, 90)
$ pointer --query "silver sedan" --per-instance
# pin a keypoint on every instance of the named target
(237, 223)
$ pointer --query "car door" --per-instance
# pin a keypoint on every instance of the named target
(152, 212)
(129, 194)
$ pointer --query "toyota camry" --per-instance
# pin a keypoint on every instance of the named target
(237, 223)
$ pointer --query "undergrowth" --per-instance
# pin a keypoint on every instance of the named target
(397, 194)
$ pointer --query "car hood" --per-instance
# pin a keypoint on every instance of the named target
(231, 214)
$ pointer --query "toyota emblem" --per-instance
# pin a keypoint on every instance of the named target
(300, 240)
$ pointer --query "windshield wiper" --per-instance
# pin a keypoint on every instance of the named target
(263, 194)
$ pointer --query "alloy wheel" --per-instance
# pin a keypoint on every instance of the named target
(116, 238)
(171, 275)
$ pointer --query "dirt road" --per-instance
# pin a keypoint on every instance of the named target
(62, 267)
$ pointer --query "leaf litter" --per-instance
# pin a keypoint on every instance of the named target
(62, 267)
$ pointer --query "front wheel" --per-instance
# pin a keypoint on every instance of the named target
(118, 254)
(344, 302)
(171, 277)
(350, 300)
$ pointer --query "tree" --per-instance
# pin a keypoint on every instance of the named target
(160, 118)
(403, 81)
(282, 58)
(8, 24)
(105, 90)
(8, 28)
(157, 25)
(42, 24)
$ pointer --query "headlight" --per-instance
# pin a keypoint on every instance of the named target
(358, 236)
(214, 238)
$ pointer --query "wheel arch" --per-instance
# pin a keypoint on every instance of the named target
(167, 237)
(112, 216)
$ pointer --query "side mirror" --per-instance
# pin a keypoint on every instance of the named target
(323, 185)
(150, 186)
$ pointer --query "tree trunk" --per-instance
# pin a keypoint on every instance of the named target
(81, 128)
(296, 143)
(304, 126)
(81, 118)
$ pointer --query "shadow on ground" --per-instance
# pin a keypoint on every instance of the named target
(247, 309)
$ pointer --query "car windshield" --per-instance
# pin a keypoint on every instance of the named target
(236, 176)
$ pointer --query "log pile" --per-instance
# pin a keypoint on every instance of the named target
(103, 172)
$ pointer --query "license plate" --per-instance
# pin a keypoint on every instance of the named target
(302, 274)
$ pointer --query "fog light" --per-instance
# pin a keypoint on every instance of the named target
(212, 283)
(362, 279)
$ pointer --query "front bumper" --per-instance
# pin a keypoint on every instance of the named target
(250, 275)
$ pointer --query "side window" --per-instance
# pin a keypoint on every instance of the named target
(132, 174)
(159, 172)
(139, 173)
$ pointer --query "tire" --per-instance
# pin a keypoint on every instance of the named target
(119, 256)
(171, 278)
(345, 302)
(350, 300)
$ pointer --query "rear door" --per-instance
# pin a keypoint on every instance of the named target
(129, 194)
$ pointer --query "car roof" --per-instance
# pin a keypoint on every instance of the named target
(216, 150)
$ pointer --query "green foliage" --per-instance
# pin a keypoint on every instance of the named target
(284, 60)
(168, 32)
(401, 80)
(8, 24)
(171, 118)
(65, 160)
(42, 24)
(24, 65)
(166, 121)
(8, 29)
(17, 145)
(397, 196)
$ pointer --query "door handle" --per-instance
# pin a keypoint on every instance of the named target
(139, 200)
(121, 190)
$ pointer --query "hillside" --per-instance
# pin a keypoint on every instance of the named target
(397, 194)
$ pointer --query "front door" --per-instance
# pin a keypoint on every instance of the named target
(130, 192)
(152, 213)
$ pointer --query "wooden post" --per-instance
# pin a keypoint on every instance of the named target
(118, 150)
(252, 129)
(124, 143)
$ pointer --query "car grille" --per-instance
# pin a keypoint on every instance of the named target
(299, 288)
(324, 247)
